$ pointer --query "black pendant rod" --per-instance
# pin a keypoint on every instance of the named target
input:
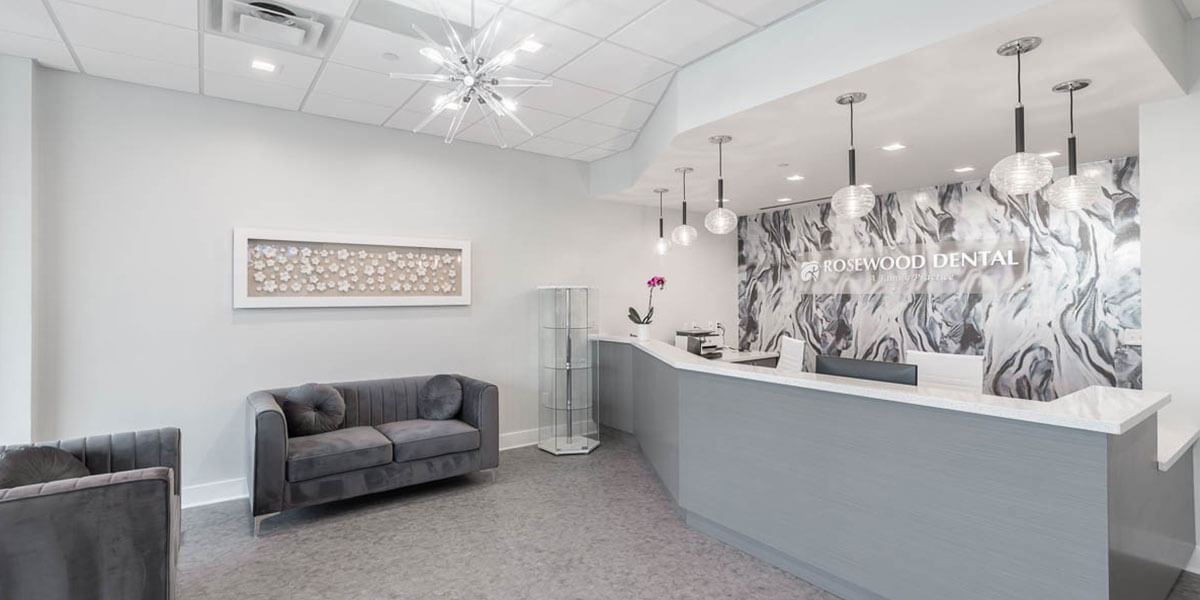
(660, 214)
(1019, 111)
(685, 197)
(853, 174)
(1072, 164)
(721, 174)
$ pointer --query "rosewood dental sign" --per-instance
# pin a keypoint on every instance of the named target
(952, 267)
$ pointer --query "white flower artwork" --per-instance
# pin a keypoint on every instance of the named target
(282, 269)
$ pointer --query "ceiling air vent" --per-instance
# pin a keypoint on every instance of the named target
(273, 23)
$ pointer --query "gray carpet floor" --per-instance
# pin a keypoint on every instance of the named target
(597, 526)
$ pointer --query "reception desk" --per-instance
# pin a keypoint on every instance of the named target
(883, 491)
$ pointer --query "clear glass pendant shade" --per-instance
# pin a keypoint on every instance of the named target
(720, 221)
(853, 201)
(684, 235)
(1021, 173)
(662, 246)
(1075, 192)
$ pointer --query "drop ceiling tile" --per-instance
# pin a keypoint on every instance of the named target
(591, 154)
(543, 145)
(254, 91)
(407, 119)
(539, 121)
(89, 27)
(363, 46)
(27, 17)
(480, 133)
(345, 108)
(613, 68)
(564, 98)
(619, 143)
(426, 97)
(233, 57)
(49, 53)
(695, 30)
(597, 17)
(560, 44)
(181, 13)
(623, 113)
(761, 12)
(138, 70)
(368, 86)
(584, 132)
(652, 92)
(333, 8)
(457, 10)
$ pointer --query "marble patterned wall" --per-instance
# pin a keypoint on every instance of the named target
(1048, 329)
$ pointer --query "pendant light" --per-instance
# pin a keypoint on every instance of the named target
(1022, 172)
(720, 220)
(853, 201)
(1073, 192)
(684, 234)
(662, 245)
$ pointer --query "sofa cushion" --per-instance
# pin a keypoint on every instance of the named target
(27, 465)
(338, 451)
(422, 438)
(440, 398)
(313, 408)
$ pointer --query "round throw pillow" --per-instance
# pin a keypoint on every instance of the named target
(313, 408)
(440, 398)
(38, 464)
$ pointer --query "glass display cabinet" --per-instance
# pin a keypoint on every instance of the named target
(568, 408)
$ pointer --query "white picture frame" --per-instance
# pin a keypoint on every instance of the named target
(242, 297)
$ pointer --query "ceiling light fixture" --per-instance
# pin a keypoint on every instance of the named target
(662, 245)
(1050, 154)
(964, 169)
(1021, 172)
(684, 234)
(894, 146)
(262, 65)
(853, 201)
(795, 178)
(720, 220)
(473, 75)
(1073, 192)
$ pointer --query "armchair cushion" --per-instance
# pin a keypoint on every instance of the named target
(336, 451)
(440, 398)
(38, 464)
(313, 408)
(420, 438)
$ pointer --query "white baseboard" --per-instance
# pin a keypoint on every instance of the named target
(518, 439)
(1193, 565)
(211, 493)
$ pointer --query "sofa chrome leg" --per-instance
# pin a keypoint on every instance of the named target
(492, 472)
(258, 519)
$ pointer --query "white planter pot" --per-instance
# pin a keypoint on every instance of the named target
(643, 331)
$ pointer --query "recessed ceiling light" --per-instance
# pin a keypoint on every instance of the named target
(262, 65)
(531, 45)
(964, 169)
(390, 56)
(894, 146)
(795, 177)
(1051, 154)
(783, 199)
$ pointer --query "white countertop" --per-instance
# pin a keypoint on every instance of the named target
(730, 355)
(1097, 408)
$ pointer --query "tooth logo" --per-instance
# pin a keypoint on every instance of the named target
(809, 271)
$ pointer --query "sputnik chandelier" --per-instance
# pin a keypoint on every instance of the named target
(474, 75)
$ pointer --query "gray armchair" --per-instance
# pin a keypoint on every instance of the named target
(113, 534)
(382, 444)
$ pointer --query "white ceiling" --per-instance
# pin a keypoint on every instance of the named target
(1190, 7)
(610, 60)
(951, 104)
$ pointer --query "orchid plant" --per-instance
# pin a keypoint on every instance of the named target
(654, 282)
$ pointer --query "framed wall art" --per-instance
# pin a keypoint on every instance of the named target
(284, 269)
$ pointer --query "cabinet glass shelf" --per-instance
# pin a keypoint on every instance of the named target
(568, 409)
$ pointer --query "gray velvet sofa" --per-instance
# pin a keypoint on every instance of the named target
(112, 535)
(382, 444)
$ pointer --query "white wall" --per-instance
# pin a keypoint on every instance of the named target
(1170, 151)
(141, 188)
(16, 249)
